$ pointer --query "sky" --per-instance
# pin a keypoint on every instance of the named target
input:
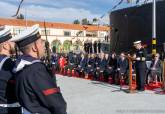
(65, 11)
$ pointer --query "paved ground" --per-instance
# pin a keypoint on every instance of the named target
(91, 97)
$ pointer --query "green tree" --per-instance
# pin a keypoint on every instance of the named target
(76, 21)
(95, 20)
(85, 21)
(20, 16)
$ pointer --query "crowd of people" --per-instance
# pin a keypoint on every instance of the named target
(110, 67)
(28, 86)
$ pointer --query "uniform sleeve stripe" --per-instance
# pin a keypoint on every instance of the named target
(12, 81)
(50, 91)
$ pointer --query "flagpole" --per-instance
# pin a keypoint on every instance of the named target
(26, 16)
(154, 27)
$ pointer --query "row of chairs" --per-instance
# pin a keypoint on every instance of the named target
(121, 79)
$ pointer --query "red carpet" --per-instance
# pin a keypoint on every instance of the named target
(153, 86)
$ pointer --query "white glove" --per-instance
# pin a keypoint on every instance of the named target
(138, 58)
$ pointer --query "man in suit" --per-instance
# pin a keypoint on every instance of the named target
(91, 66)
(155, 70)
(112, 66)
(122, 64)
(83, 64)
(122, 67)
(72, 62)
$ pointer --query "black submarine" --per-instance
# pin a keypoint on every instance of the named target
(135, 23)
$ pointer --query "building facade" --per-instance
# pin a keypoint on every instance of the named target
(62, 37)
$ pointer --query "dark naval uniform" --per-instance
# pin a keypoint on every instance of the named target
(90, 48)
(95, 47)
(8, 104)
(8, 98)
(36, 87)
(85, 47)
(140, 66)
(99, 46)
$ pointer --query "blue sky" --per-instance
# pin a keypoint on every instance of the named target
(60, 10)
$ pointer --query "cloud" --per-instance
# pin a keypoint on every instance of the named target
(7, 10)
(55, 3)
(44, 12)
(65, 14)
(62, 10)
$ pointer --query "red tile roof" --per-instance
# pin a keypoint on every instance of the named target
(19, 22)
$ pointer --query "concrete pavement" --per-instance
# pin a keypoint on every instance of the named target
(91, 97)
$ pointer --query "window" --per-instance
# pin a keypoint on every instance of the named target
(17, 31)
(101, 34)
(43, 32)
(91, 34)
(80, 33)
(67, 33)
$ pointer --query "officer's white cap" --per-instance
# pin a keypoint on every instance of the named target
(27, 36)
(137, 42)
(5, 34)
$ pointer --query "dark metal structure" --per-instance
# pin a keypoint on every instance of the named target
(135, 23)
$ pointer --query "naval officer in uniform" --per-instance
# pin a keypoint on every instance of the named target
(8, 100)
(140, 65)
(36, 86)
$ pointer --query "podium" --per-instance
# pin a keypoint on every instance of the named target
(131, 89)
(163, 81)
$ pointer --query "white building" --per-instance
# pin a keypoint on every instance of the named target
(63, 37)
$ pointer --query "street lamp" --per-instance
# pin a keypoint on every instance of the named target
(154, 27)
